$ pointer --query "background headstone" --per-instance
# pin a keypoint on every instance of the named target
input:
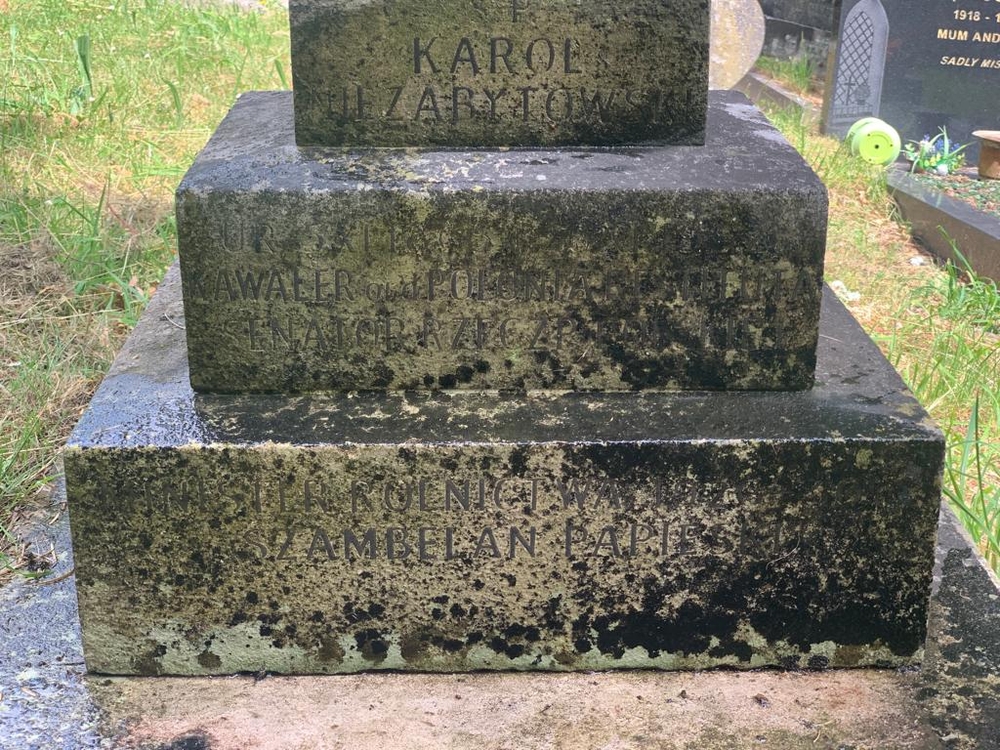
(736, 41)
(799, 27)
(919, 66)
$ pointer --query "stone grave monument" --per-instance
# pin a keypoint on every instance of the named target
(500, 345)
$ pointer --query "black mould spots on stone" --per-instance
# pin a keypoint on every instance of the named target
(871, 494)
(197, 741)
(510, 650)
(818, 662)
(518, 461)
(355, 614)
(237, 618)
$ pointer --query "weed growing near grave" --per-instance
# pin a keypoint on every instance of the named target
(947, 346)
(102, 107)
(939, 327)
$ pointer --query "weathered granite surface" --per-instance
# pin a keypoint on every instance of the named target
(629, 269)
(48, 700)
(458, 531)
(487, 73)
(959, 685)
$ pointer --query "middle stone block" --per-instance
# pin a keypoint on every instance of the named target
(661, 268)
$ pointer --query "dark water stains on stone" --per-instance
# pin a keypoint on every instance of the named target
(417, 646)
(209, 660)
(373, 645)
(149, 664)
(672, 181)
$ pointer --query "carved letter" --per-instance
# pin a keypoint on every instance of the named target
(354, 546)
(461, 494)
(597, 104)
(428, 103)
(396, 546)
(423, 52)
(359, 496)
(320, 539)
(496, 54)
(283, 552)
(396, 93)
(517, 539)
(568, 57)
(455, 103)
(550, 55)
(249, 284)
(424, 544)
(487, 544)
(464, 53)
(635, 538)
(492, 96)
(608, 540)
(309, 492)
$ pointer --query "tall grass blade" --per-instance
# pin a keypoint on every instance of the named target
(83, 48)
(175, 97)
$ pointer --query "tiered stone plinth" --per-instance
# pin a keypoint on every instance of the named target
(456, 531)
(500, 409)
(627, 269)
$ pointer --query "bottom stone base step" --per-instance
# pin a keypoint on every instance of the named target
(464, 531)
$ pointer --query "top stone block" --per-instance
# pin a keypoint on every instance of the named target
(488, 73)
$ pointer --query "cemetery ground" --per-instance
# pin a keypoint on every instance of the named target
(102, 107)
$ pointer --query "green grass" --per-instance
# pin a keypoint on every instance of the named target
(795, 73)
(939, 327)
(102, 107)
(947, 346)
